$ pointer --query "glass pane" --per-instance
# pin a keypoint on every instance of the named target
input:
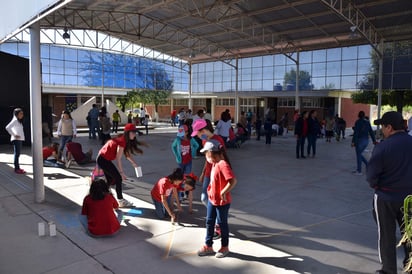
(333, 54)
(318, 69)
(319, 55)
(332, 83)
(349, 82)
(364, 51)
(318, 82)
(257, 61)
(280, 59)
(333, 68)
(349, 67)
(305, 57)
(268, 61)
(349, 53)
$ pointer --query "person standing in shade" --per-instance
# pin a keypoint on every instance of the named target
(66, 130)
(267, 126)
(93, 121)
(130, 117)
(16, 131)
(360, 140)
(301, 132)
(116, 119)
(313, 132)
(389, 173)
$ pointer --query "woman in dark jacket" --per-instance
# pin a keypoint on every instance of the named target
(301, 131)
(313, 132)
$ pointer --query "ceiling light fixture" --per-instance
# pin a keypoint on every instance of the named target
(353, 32)
(66, 35)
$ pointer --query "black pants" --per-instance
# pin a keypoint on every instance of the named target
(387, 214)
(112, 175)
(300, 145)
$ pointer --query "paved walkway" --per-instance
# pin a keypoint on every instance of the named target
(287, 216)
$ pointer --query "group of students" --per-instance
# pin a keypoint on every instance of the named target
(217, 180)
(100, 215)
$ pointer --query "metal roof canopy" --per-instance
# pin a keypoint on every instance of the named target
(208, 30)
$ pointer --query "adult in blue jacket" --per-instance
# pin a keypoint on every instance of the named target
(360, 140)
(389, 173)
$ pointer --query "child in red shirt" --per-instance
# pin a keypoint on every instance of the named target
(187, 186)
(50, 156)
(222, 181)
(127, 145)
(162, 193)
(98, 216)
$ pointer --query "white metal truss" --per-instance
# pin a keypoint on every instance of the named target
(94, 40)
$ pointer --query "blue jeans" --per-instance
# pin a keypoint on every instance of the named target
(83, 221)
(187, 168)
(312, 143)
(219, 215)
(64, 139)
(160, 208)
(203, 197)
(360, 147)
(94, 127)
(17, 151)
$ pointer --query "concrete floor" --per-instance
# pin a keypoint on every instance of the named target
(287, 216)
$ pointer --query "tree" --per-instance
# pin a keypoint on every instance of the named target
(124, 71)
(127, 100)
(304, 79)
(397, 67)
(156, 97)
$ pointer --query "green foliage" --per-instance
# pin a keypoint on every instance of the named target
(396, 55)
(156, 97)
(304, 79)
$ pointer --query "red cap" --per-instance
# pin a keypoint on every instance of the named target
(130, 127)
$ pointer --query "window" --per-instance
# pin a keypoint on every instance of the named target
(225, 101)
(286, 102)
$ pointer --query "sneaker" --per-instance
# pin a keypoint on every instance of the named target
(357, 173)
(125, 203)
(223, 251)
(20, 171)
(205, 251)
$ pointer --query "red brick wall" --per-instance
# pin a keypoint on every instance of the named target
(350, 110)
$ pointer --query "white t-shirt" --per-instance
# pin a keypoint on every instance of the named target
(142, 113)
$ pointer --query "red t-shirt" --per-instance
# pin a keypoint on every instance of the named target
(209, 165)
(305, 127)
(47, 152)
(185, 151)
(109, 150)
(100, 215)
(163, 187)
(220, 175)
(76, 150)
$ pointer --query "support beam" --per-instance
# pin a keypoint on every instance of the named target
(35, 115)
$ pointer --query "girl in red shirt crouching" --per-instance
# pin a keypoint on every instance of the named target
(98, 216)
(162, 193)
(222, 181)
